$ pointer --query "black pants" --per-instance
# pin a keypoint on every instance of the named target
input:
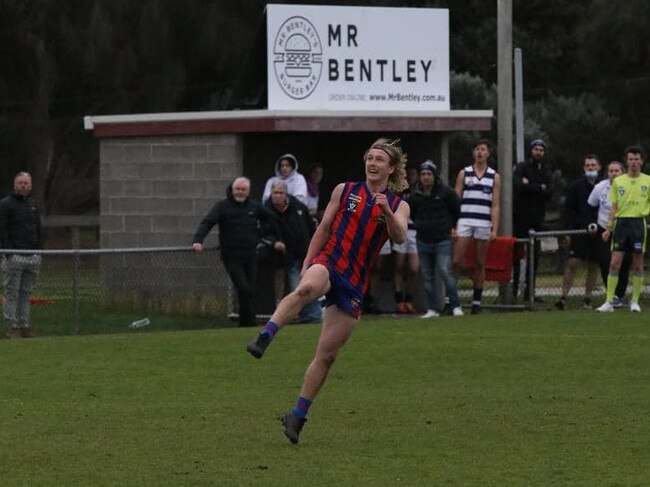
(521, 225)
(241, 266)
(604, 257)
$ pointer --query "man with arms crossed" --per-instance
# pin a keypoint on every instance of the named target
(359, 218)
(630, 198)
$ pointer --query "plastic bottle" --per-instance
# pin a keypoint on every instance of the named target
(139, 323)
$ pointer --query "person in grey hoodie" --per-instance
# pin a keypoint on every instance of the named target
(286, 169)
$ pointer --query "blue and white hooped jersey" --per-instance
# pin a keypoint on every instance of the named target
(476, 202)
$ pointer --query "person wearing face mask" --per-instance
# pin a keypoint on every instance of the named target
(579, 215)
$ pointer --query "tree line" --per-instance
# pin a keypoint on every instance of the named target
(586, 74)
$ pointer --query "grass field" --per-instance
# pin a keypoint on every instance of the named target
(542, 398)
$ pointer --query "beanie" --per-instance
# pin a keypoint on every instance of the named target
(536, 143)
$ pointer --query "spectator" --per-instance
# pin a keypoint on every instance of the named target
(238, 218)
(478, 186)
(286, 168)
(630, 198)
(20, 229)
(435, 208)
(405, 255)
(532, 189)
(599, 198)
(578, 216)
(314, 176)
(295, 229)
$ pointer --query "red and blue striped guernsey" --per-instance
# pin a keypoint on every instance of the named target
(357, 234)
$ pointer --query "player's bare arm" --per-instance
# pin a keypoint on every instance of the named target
(396, 222)
(460, 183)
(323, 230)
(610, 223)
(496, 206)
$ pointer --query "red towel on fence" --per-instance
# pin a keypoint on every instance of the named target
(498, 261)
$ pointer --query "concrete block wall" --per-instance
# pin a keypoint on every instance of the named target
(155, 190)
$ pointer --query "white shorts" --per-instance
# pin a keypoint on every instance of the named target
(409, 246)
(385, 250)
(477, 233)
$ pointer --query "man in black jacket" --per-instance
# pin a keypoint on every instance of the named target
(578, 216)
(532, 188)
(20, 228)
(435, 208)
(239, 219)
(295, 227)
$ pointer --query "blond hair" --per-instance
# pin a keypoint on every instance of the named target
(397, 181)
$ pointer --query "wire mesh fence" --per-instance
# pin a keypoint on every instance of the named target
(581, 283)
(549, 280)
(107, 290)
(104, 291)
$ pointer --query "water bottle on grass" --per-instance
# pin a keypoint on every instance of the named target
(139, 323)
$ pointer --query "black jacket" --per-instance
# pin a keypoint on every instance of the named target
(577, 212)
(295, 226)
(530, 199)
(20, 223)
(434, 214)
(239, 224)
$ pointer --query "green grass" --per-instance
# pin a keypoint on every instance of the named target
(60, 319)
(496, 399)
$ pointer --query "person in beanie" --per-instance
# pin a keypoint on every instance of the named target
(434, 209)
(532, 188)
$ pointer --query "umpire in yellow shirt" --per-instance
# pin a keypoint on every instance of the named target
(630, 198)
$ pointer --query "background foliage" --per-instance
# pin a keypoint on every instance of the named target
(586, 74)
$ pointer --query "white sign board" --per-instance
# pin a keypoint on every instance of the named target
(357, 58)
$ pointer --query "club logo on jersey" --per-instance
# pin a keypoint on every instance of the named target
(621, 191)
(353, 201)
(355, 303)
(644, 188)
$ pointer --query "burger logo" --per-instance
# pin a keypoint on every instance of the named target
(297, 53)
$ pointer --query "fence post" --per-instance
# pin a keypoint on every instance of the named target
(75, 292)
(530, 268)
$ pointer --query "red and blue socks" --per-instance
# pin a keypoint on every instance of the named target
(270, 329)
(302, 407)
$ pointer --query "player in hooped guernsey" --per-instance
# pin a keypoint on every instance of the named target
(358, 219)
(478, 187)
